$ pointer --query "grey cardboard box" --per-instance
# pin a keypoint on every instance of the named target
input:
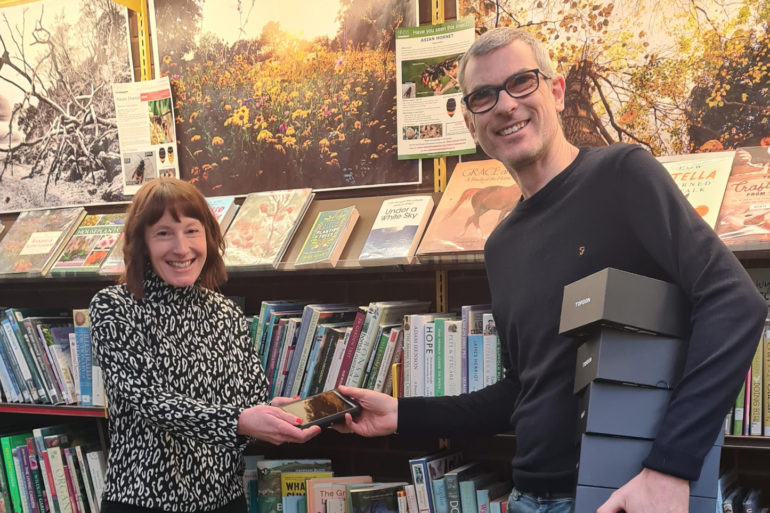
(617, 409)
(589, 498)
(626, 301)
(615, 355)
(622, 410)
(610, 462)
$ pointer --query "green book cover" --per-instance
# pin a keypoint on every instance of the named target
(738, 416)
(371, 371)
(327, 237)
(438, 349)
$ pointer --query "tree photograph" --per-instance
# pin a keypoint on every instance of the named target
(58, 134)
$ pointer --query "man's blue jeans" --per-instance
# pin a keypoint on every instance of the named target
(526, 503)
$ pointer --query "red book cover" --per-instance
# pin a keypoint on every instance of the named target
(350, 350)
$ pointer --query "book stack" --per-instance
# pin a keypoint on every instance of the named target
(633, 332)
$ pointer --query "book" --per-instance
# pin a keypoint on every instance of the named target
(20, 367)
(97, 466)
(114, 264)
(56, 337)
(269, 478)
(379, 497)
(7, 444)
(329, 495)
(452, 478)
(468, 488)
(82, 330)
(472, 324)
(39, 346)
(440, 503)
(396, 231)
(224, 209)
(263, 227)
(250, 476)
(738, 410)
(351, 346)
(90, 245)
(766, 379)
(741, 219)
(36, 478)
(755, 391)
(478, 196)
(36, 239)
(88, 483)
(427, 468)
(491, 350)
(702, 178)
(294, 491)
(452, 347)
(327, 237)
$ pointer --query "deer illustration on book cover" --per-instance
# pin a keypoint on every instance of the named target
(478, 196)
(263, 227)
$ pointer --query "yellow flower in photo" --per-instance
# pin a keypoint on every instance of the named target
(195, 138)
(264, 135)
(217, 141)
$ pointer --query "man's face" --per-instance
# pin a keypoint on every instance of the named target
(520, 131)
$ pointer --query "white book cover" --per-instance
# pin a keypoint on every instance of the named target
(490, 350)
(429, 365)
(396, 231)
(453, 342)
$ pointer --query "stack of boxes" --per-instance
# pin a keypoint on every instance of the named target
(633, 333)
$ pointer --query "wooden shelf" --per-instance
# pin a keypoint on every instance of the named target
(747, 442)
(47, 409)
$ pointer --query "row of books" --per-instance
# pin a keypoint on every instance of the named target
(288, 229)
(751, 413)
(52, 469)
(309, 348)
(734, 497)
(440, 483)
(45, 357)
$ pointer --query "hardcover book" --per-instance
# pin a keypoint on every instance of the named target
(702, 178)
(263, 228)
(224, 209)
(90, 244)
(477, 197)
(424, 470)
(269, 478)
(324, 244)
(396, 231)
(35, 240)
(294, 491)
(377, 497)
(114, 263)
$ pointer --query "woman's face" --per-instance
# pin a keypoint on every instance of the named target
(177, 249)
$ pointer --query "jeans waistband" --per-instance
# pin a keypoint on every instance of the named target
(542, 496)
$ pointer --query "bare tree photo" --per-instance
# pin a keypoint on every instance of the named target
(58, 134)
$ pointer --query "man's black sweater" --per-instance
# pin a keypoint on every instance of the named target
(611, 207)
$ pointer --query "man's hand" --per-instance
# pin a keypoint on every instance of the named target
(650, 492)
(378, 417)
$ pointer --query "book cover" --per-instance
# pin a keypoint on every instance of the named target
(7, 444)
(294, 491)
(263, 227)
(702, 178)
(766, 379)
(352, 345)
(290, 344)
(56, 337)
(328, 495)
(114, 265)
(24, 478)
(339, 353)
(224, 209)
(82, 330)
(35, 240)
(742, 217)
(491, 350)
(327, 237)
(452, 480)
(18, 363)
(97, 466)
(478, 196)
(40, 348)
(738, 410)
(377, 497)
(452, 348)
(468, 489)
(90, 245)
(755, 414)
(384, 366)
(269, 478)
(440, 504)
(396, 231)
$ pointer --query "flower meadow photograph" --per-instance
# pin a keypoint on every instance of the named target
(278, 95)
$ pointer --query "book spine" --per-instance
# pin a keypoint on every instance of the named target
(74, 365)
(5, 496)
(37, 477)
(475, 362)
(468, 496)
(482, 500)
(429, 363)
(365, 343)
(439, 496)
(766, 348)
(465, 322)
(301, 352)
(387, 358)
(53, 497)
(452, 485)
(747, 404)
(453, 357)
(87, 482)
(59, 479)
(41, 355)
(419, 471)
(19, 365)
(279, 378)
(418, 356)
(275, 350)
(350, 350)
(439, 357)
(311, 365)
(71, 491)
(411, 499)
(8, 385)
(96, 466)
(21, 479)
(37, 384)
(10, 472)
(490, 359)
(328, 345)
(339, 354)
(402, 504)
(74, 475)
(84, 359)
(408, 356)
(375, 358)
(755, 426)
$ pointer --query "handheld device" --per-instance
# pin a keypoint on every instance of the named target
(322, 409)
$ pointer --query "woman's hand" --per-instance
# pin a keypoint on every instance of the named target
(378, 417)
(273, 425)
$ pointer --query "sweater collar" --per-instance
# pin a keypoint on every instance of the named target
(157, 290)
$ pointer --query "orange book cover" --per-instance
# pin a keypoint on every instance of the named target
(477, 197)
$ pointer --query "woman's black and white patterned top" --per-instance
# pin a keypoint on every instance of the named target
(178, 368)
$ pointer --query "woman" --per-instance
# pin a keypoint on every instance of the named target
(184, 387)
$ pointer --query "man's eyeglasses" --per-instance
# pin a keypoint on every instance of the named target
(518, 85)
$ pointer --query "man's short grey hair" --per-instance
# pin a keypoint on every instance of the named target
(497, 38)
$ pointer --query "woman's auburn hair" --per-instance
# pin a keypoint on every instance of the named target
(179, 198)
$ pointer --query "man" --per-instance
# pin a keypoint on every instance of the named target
(581, 210)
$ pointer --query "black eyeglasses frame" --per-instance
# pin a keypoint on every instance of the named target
(502, 87)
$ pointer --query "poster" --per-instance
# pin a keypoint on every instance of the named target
(145, 115)
(430, 119)
(58, 134)
(702, 178)
(280, 95)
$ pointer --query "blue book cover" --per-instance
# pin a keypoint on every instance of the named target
(440, 504)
